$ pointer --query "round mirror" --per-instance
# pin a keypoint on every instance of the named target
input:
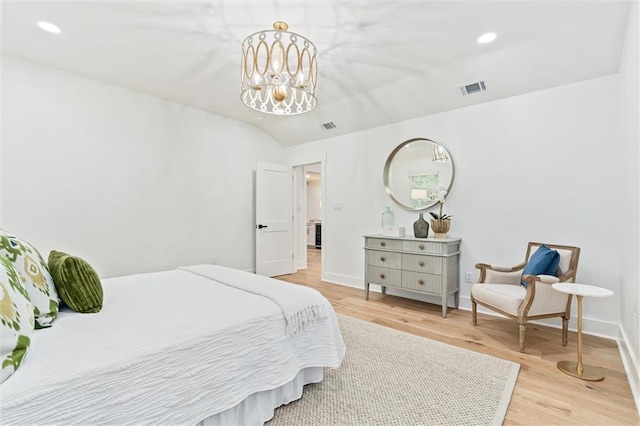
(417, 172)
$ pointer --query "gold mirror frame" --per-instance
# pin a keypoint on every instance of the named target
(387, 167)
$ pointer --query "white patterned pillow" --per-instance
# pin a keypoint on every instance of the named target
(34, 276)
(16, 319)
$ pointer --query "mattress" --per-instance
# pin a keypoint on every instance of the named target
(167, 348)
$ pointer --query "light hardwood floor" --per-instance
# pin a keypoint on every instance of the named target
(543, 395)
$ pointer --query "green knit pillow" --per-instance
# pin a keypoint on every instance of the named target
(77, 282)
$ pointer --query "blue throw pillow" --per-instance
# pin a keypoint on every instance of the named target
(543, 262)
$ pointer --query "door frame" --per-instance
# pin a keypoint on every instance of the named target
(320, 157)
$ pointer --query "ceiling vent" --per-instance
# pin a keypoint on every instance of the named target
(329, 125)
(473, 88)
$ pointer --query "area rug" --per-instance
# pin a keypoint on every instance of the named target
(389, 377)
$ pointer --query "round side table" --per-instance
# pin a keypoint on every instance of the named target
(577, 369)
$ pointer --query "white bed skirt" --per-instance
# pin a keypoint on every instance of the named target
(259, 407)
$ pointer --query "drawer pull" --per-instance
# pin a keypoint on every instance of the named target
(382, 276)
(421, 282)
(382, 243)
(421, 263)
(421, 246)
(381, 258)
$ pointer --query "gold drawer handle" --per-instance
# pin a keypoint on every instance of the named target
(382, 243)
(381, 258)
(382, 276)
(421, 246)
(421, 263)
(421, 282)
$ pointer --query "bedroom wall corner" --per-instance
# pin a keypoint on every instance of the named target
(629, 219)
(131, 182)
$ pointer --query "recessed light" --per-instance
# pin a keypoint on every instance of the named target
(487, 38)
(49, 27)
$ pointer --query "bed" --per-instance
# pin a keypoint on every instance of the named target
(203, 345)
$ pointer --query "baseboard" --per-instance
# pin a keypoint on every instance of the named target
(345, 280)
(630, 362)
(593, 327)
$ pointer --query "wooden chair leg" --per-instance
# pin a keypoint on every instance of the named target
(565, 330)
(474, 312)
(523, 329)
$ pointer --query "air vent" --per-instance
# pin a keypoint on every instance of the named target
(329, 125)
(473, 88)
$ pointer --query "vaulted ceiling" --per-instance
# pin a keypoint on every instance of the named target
(380, 62)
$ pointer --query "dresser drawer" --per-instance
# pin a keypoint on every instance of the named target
(418, 263)
(422, 282)
(384, 276)
(383, 243)
(422, 247)
(385, 259)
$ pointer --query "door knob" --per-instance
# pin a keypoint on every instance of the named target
(262, 226)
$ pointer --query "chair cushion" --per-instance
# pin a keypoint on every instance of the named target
(565, 261)
(77, 282)
(505, 297)
(543, 261)
(16, 319)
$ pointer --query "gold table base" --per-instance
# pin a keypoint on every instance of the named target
(577, 369)
(589, 372)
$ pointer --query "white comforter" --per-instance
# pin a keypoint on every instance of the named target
(167, 348)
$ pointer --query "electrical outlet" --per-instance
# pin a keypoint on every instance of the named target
(468, 277)
(213, 260)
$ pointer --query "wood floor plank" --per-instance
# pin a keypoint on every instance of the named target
(543, 395)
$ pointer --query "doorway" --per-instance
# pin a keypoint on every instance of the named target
(309, 218)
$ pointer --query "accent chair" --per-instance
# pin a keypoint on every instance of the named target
(506, 290)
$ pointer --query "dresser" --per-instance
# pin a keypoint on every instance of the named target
(422, 265)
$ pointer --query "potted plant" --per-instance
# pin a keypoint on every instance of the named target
(441, 223)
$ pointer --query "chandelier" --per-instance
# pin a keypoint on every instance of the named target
(279, 72)
(439, 154)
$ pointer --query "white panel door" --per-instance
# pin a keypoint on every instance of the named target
(274, 220)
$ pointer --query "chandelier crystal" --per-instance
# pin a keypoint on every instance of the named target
(279, 72)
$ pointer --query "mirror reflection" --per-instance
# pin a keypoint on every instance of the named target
(418, 173)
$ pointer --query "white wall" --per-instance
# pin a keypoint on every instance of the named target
(528, 168)
(1, 117)
(314, 200)
(131, 182)
(300, 216)
(629, 212)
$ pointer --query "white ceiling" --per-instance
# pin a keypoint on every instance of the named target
(380, 62)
